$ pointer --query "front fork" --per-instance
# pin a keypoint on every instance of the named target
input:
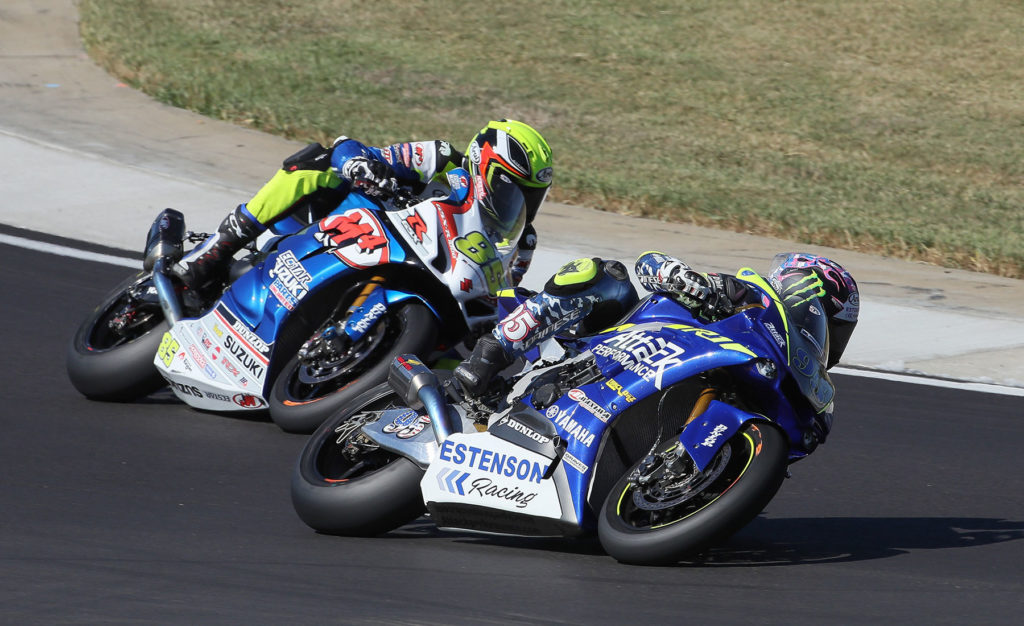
(353, 325)
(645, 471)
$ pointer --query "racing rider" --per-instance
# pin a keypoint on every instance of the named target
(591, 294)
(502, 150)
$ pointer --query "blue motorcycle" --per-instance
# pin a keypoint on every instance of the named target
(315, 316)
(663, 434)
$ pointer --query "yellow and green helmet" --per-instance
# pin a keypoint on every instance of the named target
(518, 151)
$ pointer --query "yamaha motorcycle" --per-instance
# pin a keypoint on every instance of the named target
(309, 321)
(664, 434)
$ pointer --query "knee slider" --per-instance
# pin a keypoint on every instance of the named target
(574, 277)
(606, 282)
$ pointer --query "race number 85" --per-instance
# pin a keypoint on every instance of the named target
(168, 348)
(479, 249)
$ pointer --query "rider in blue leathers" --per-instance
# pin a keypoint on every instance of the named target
(591, 294)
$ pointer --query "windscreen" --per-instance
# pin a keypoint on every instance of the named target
(808, 351)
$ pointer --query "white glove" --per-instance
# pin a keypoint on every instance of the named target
(693, 287)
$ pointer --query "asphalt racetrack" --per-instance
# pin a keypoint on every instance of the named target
(913, 512)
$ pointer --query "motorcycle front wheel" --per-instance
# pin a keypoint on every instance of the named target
(111, 355)
(664, 510)
(307, 391)
(344, 484)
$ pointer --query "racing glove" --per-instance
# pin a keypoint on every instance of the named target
(374, 178)
(660, 272)
(692, 288)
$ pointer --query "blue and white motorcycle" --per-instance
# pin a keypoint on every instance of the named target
(664, 434)
(315, 317)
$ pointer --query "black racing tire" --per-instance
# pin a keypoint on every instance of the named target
(417, 330)
(103, 366)
(335, 495)
(751, 474)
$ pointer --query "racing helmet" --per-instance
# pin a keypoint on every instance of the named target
(799, 277)
(506, 154)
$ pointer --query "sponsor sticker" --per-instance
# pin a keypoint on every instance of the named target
(248, 401)
(575, 463)
(589, 405)
(407, 425)
(291, 280)
(709, 441)
(489, 461)
(246, 359)
(356, 236)
(243, 333)
(615, 386)
(522, 428)
(486, 483)
(573, 429)
(482, 470)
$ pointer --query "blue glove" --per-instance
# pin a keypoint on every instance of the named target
(660, 272)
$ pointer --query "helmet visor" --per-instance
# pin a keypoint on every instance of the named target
(534, 197)
(504, 210)
(839, 335)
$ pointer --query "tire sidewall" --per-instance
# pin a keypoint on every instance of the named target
(418, 336)
(119, 374)
(366, 505)
(720, 519)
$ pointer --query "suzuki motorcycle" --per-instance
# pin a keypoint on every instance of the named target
(663, 434)
(313, 318)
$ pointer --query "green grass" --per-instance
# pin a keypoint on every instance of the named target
(895, 128)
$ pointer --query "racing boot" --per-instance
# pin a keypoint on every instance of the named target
(204, 270)
(476, 372)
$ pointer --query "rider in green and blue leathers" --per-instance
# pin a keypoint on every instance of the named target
(507, 149)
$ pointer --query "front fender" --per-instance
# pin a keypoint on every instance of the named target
(703, 437)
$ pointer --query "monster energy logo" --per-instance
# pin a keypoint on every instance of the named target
(804, 289)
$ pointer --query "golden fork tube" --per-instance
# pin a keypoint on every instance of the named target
(703, 400)
(367, 290)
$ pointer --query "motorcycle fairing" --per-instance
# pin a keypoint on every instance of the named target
(222, 375)
(358, 236)
(481, 482)
(352, 238)
(406, 432)
(649, 353)
(450, 239)
(231, 345)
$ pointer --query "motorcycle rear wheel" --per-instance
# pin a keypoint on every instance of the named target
(300, 407)
(677, 514)
(338, 491)
(104, 364)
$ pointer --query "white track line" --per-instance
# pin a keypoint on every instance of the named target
(52, 248)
